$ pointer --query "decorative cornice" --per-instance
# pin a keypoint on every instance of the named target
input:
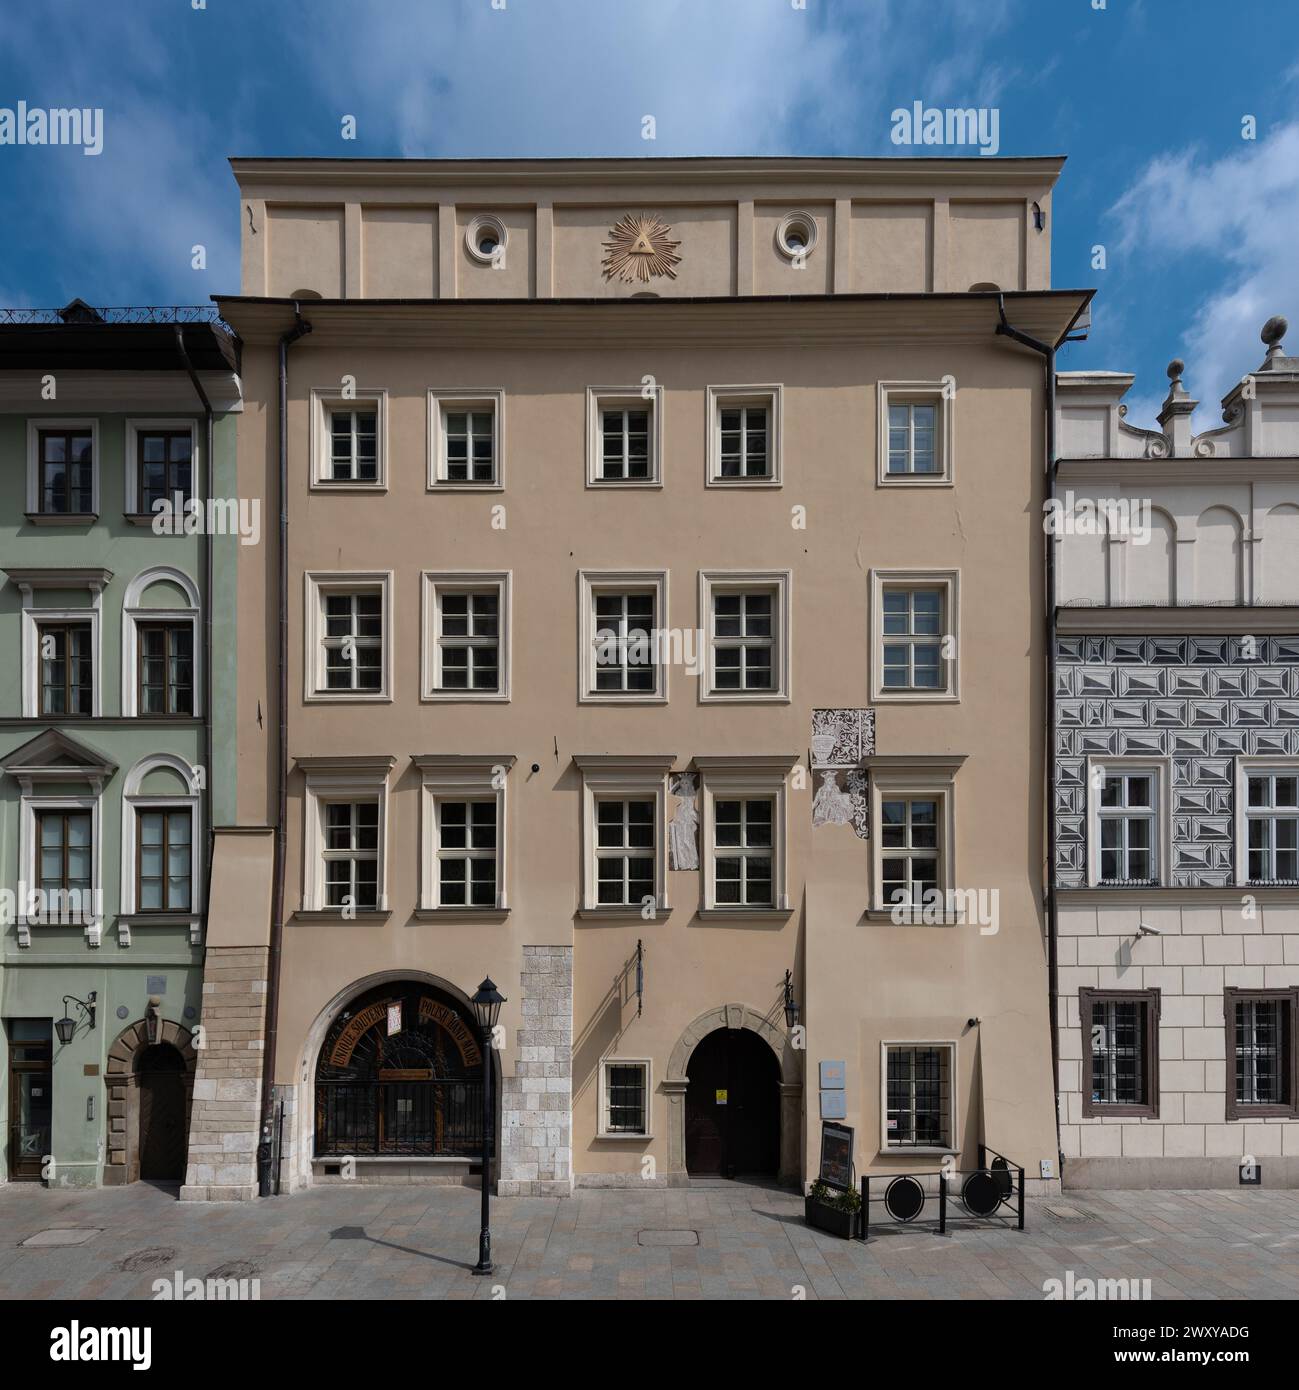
(354, 765)
(745, 762)
(1152, 472)
(919, 762)
(462, 762)
(1176, 621)
(613, 762)
(28, 577)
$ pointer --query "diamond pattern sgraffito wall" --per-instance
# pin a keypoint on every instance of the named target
(1201, 702)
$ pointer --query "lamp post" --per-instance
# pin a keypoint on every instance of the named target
(66, 1026)
(487, 1008)
(791, 1004)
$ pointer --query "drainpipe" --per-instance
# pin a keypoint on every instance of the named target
(205, 548)
(1047, 352)
(300, 327)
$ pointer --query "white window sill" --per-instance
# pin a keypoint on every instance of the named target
(362, 916)
(637, 1138)
(461, 914)
(741, 913)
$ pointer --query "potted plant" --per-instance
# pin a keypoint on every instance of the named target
(832, 1209)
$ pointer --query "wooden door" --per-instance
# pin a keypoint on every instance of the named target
(31, 1097)
(160, 1076)
(733, 1107)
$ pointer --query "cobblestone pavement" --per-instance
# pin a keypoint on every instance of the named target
(723, 1240)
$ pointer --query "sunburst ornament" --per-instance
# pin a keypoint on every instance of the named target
(638, 249)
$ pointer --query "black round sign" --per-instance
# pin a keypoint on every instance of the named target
(904, 1199)
(981, 1193)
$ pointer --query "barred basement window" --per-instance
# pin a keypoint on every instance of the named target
(624, 851)
(466, 853)
(918, 1096)
(351, 854)
(742, 853)
(1272, 822)
(624, 1099)
(1263, 1073)
(1120, 1052)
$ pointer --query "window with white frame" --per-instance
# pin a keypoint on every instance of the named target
(1272, 824)
(462, 866)
(623, 445)
(624, 1098)
(345, 821)
(744, 435)
(1126, 822)
(913, 837)
(466, 431)
(161, 464)
(915, 616)
(466, 636)
(624, 831)
(919, 1095)
(348, 638)
(62, 655)
(62, 469)
(67, 664)
(916, 433)
(161, 837)
(747, 632)
(160, 648)
(348, 438)
(744, 833)
(622, 618)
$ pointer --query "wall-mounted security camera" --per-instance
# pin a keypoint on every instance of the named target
(1145, 929)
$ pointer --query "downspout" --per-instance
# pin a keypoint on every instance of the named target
(1047, 352)
(287, 339)
(205, 547)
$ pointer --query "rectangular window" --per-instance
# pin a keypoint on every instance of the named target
(744, 640)
(911, 438)
(466, 853)
(353, 446)
(624, 1107)
(66, 852)
(66, 654)
(469, 639)
(624, 852)
(624, 641)
(1262, 1073)
(743, 851)
(909, 849)
(164, 859)
(918, 1096)
(625, 444)
(66, 471)
(166, 668)
(745, 441)
(352, 640)
(351, 854)
(164, 465)
(1272, 826)
(1120, 1052)
(470, 442)
(1127, 824)
(913, 633)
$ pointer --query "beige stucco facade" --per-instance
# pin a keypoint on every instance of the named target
(880, 298)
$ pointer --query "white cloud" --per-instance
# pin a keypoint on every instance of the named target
(1241, 210)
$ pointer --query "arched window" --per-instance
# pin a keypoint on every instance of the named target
(162, 838)
(161, 648)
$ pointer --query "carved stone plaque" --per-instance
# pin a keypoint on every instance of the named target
(638, 249)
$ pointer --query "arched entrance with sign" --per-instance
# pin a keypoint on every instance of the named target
(400, 1074)
(733, 1107)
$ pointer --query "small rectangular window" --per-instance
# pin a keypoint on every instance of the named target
(624, 641)
(66, 471)
(918, 1097)
(353, 640)
(353, 446)
(470, 437)
(1262, 1072)
(468, 639)
(626, 1098)
(466, 853)
(911, 439)
(65, 852)
(1120, 1052)
(165, 467)
(66, 656)
(1127, 821)
(917, 430)
(744, 640)
(351, 854)
(164, 859)
(625, 444)
(743, 851)
(913, 632)
(1272, 826)
(909, 849)
(166, 656)
(624, 852)
(745, 441)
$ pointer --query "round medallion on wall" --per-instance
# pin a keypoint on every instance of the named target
(638, 249)
(123, 1012)
(796, 235)
(485, 238)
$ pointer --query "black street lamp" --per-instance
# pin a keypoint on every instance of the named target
(791, 1004)
(66, 1026)
(487, 1007)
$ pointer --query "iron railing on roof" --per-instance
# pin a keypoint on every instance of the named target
(127, 313)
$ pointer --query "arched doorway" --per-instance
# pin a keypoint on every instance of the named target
(160, 1077)
(400, 1073)
(733, 1107)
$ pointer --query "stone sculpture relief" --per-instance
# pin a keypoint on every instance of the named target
(683, 846)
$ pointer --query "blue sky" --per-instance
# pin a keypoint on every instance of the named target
(1146, 97)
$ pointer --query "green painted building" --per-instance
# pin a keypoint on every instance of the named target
(115, 652)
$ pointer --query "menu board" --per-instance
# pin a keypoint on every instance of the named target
(836, 1155)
